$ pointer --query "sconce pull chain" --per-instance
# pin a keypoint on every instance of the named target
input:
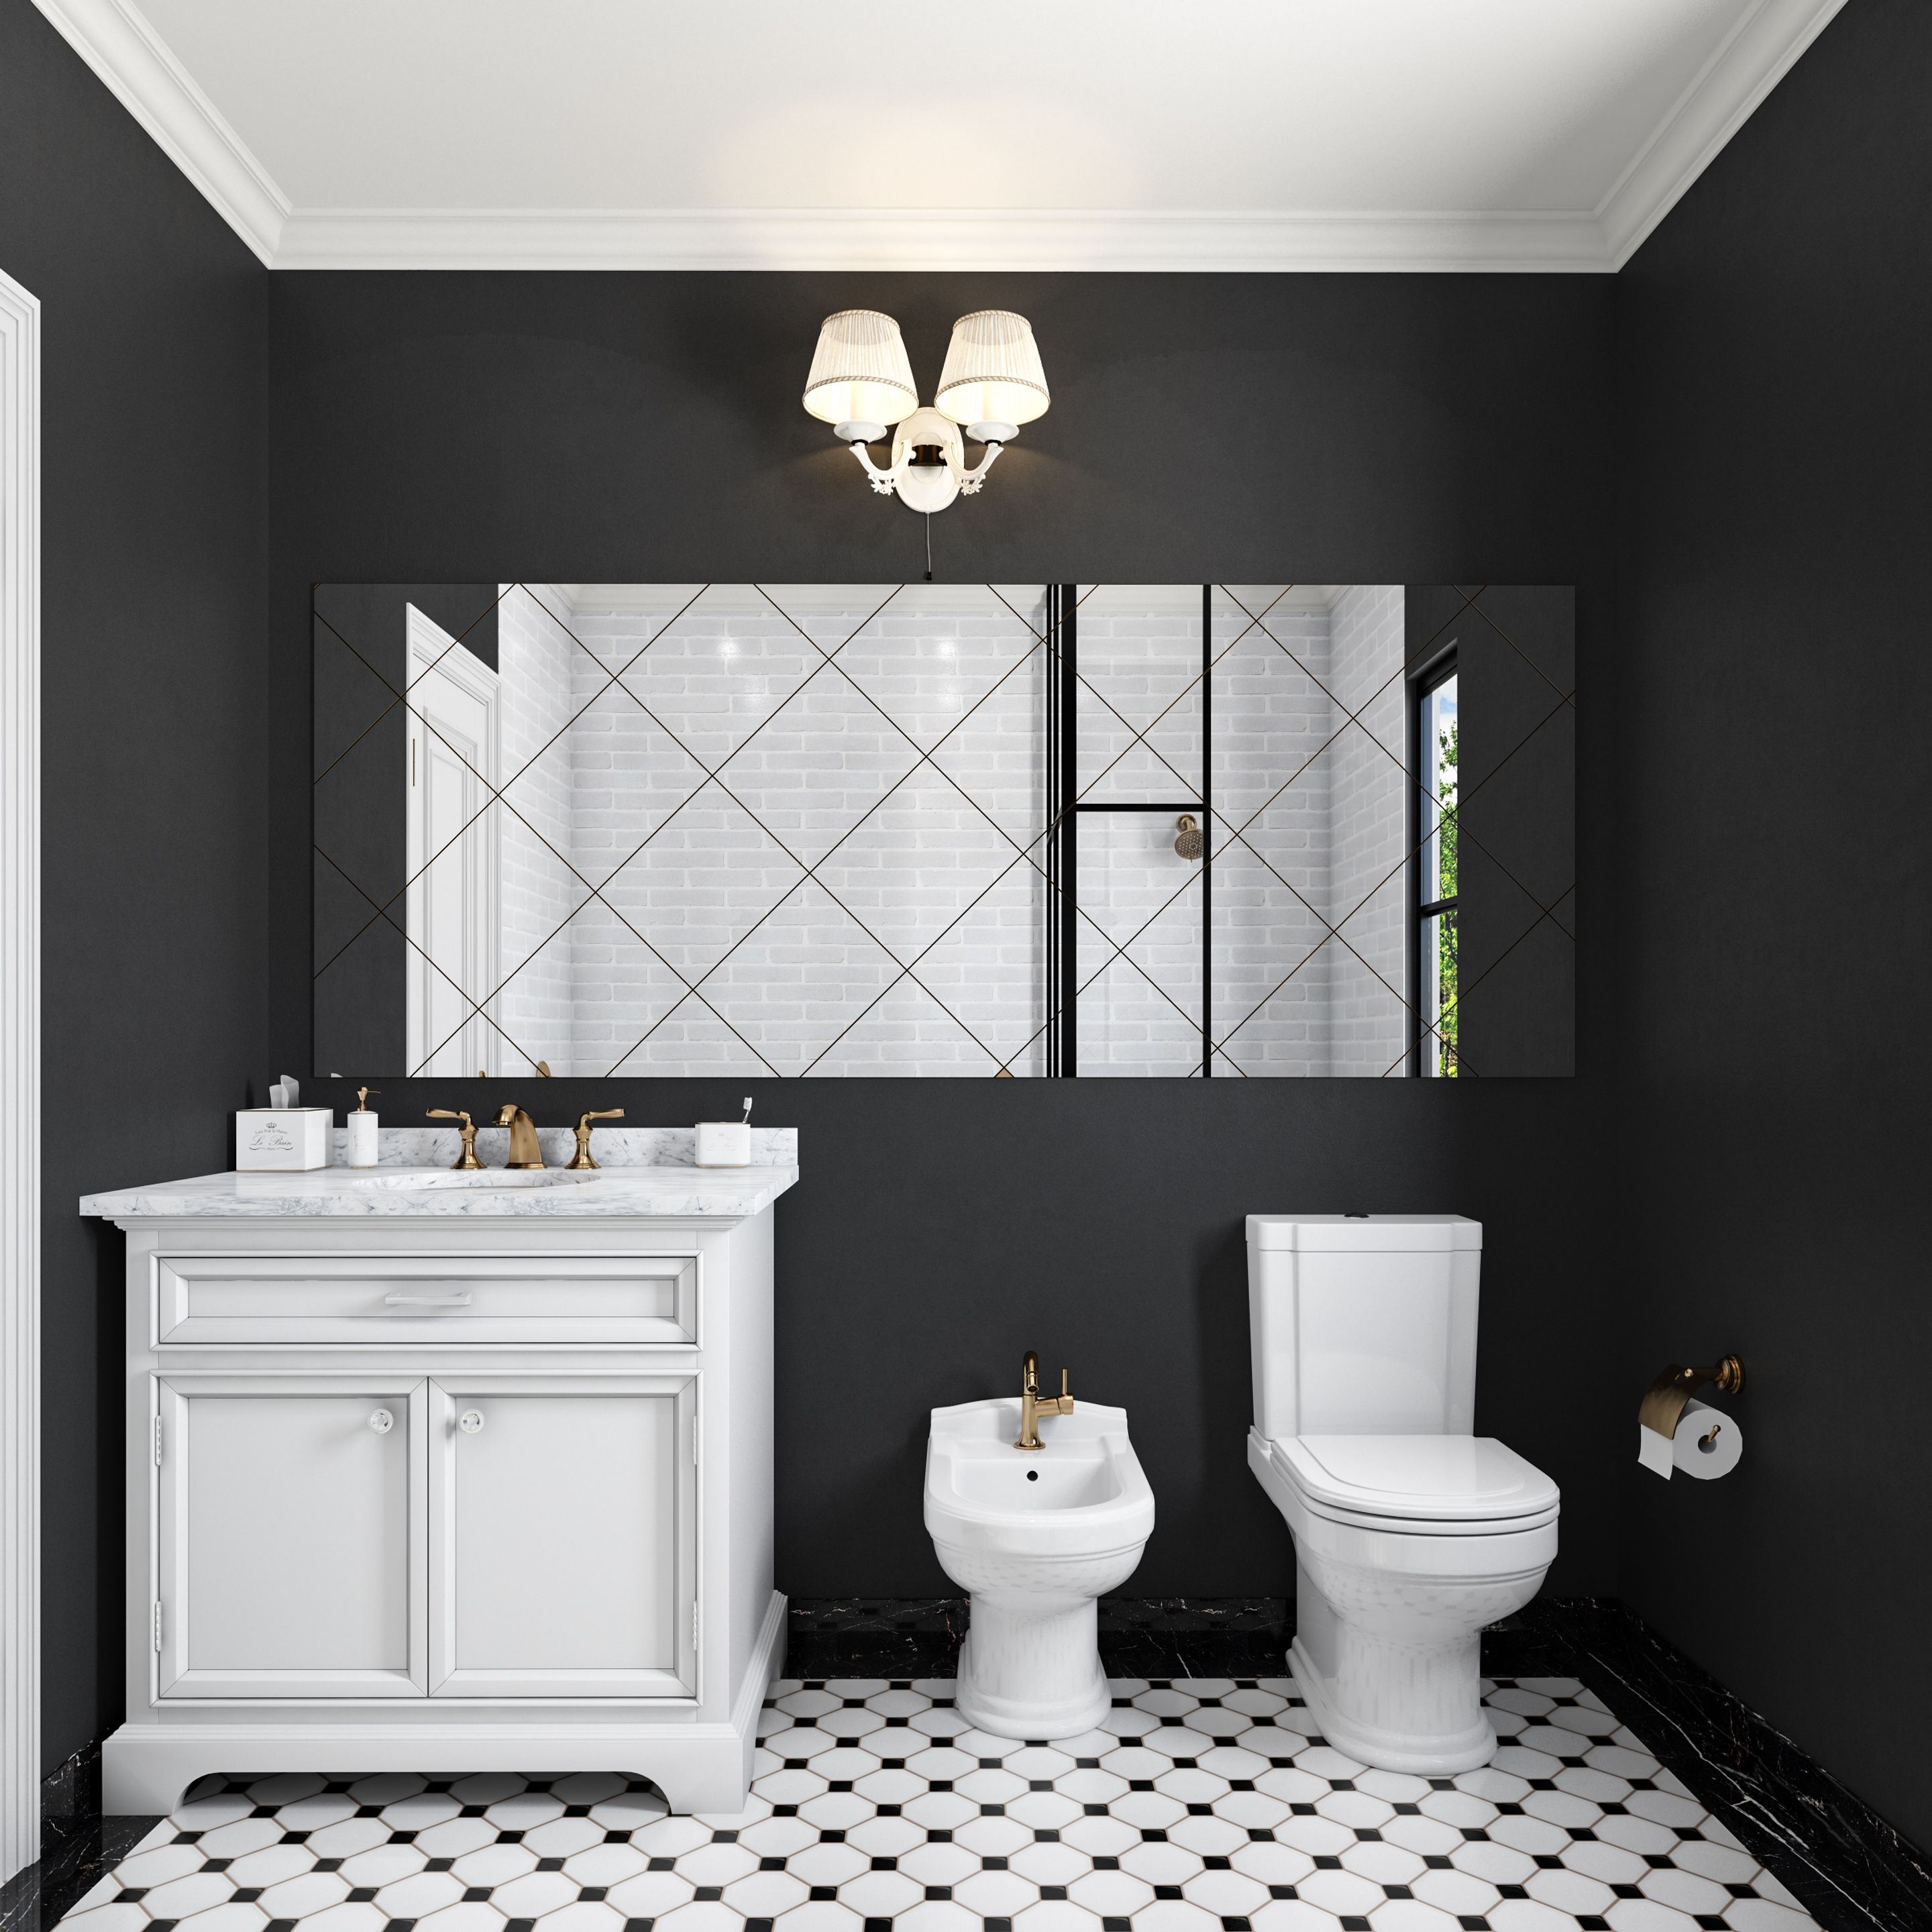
(928, 546)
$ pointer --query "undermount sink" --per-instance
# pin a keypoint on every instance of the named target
(474, 1181)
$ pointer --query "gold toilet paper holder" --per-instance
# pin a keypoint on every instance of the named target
(1662, 1407)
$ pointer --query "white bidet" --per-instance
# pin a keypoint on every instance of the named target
(1036, 1536)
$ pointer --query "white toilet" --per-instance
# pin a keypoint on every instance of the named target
(1037, 1536)
(1411, 1533)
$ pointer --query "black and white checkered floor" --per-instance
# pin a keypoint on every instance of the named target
(1200, 1805)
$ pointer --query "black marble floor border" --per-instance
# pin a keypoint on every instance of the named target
(78, 1846)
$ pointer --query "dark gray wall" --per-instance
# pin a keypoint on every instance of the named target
(1769, 910)
(623, 428)
(153, 446)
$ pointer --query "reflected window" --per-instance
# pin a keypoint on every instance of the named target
(1436, 902)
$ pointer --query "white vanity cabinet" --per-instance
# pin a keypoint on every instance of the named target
(448, 1492)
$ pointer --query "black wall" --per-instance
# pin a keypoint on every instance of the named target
(618, 427)
(1768, 700)
(153, 447)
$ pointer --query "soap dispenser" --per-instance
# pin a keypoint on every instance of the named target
(362, 1124)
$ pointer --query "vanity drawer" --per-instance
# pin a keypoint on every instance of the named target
(364, 1301)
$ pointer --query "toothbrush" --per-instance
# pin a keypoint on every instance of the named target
(747, 1121)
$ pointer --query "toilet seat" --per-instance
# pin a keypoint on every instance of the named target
(1417, 1485)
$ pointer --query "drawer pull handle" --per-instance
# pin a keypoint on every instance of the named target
(381, 1421)
(428, 1300)
(471, 1422)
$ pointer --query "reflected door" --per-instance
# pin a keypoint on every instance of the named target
(452, 966)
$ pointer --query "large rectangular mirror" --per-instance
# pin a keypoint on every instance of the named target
(1202, 831)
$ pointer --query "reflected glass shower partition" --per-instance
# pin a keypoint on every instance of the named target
(1130, 960)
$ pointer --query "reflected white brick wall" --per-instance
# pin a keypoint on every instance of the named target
(866, 816)
(1368, 883)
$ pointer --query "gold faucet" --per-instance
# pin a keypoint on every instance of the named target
(584, 1157)
(525, 1150)
(467, 1158)
(1032, 1408)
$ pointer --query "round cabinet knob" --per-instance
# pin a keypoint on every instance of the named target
(470, 1422)
(381, 1421)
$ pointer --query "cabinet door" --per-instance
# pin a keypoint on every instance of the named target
(289, 1543)
(563, 1537)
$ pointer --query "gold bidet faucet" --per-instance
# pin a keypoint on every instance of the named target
(525, 1150)
(1032, 1408)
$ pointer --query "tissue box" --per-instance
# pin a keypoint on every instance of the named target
(282, 1140)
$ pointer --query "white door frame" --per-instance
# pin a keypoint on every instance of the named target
(19, 1078)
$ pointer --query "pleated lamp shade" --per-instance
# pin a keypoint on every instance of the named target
(860, 373)
(992, 372)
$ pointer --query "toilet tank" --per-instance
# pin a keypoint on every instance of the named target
(1363, 1325)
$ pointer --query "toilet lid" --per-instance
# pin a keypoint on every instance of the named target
(1418, 1478)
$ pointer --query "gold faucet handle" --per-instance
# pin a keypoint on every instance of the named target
(583, 1157)
(467, 1159)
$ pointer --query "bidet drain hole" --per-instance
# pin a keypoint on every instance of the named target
(1033, 1475)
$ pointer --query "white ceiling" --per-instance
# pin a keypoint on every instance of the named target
(878, 134)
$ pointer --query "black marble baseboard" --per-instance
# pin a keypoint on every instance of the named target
(78, 1846)
(1140, 1636)
(874, 1637)
(1852, 1871)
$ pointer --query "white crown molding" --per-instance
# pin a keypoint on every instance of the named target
(138, 69)
(119, 45)
(935, 240)
(19, 1078)
(1759, 51)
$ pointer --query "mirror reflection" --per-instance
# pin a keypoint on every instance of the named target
(1113, 830)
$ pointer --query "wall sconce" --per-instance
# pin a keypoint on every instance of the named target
(861, 382)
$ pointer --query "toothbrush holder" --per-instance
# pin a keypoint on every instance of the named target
(723, 1144)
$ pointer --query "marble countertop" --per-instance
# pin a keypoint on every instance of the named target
(415, 1179)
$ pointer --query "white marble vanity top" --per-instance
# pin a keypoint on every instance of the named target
(414, 1178)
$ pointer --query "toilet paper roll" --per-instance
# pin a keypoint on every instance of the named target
(1707, 1444)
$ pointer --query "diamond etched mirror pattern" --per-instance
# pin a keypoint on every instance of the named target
(936, 830)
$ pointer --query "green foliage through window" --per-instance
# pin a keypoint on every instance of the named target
(1445, 888)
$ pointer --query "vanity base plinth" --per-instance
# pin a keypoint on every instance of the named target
(145, 1767)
